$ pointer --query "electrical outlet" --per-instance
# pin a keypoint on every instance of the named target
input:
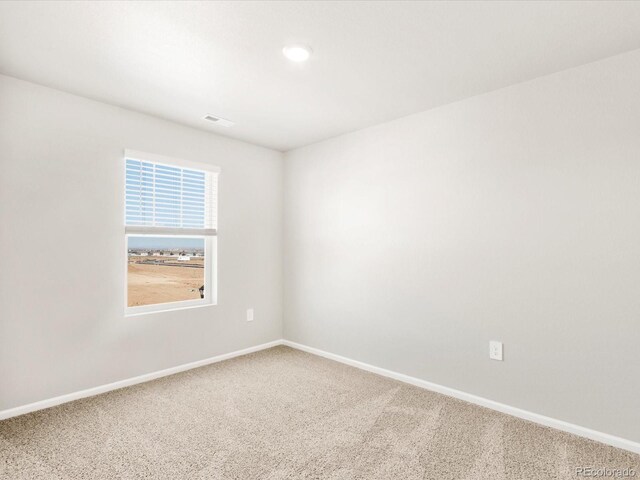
(250, 315)
(495, 350)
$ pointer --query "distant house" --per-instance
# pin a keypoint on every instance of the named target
(144, 254)
(184, 258)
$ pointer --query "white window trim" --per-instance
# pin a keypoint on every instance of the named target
(209, 235)
(174, 162)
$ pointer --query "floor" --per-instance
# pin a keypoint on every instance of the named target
(285, 414)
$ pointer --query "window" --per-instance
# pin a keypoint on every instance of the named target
(170, 233)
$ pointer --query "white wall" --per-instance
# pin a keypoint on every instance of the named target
(62, 261)
(513, 216)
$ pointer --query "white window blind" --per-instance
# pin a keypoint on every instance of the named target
(170, 198)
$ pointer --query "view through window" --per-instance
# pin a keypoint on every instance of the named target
(165, 269)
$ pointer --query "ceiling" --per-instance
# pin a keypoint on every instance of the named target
(372, 61)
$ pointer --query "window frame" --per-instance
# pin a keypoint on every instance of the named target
(208, 234)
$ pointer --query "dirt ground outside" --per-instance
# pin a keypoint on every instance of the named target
(150, 284)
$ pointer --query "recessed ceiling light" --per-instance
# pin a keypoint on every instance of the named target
(297, 53)
(223, 122)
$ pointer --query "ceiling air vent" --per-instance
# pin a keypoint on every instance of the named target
(219, 121)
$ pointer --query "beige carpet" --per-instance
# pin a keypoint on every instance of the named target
(284, 414)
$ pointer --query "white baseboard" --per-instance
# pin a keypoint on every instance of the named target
(483, 402)
(52, 402)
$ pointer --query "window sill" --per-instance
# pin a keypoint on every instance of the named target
(163, 308)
